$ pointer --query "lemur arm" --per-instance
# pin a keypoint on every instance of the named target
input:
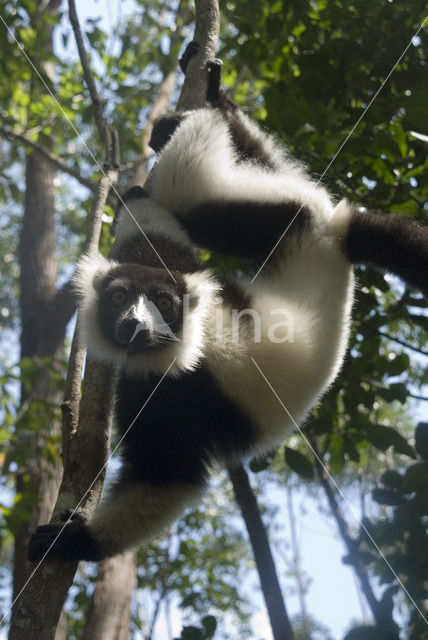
(131, 515)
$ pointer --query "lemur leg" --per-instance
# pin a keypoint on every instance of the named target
(129, 515)
(395, 244)
(227, 203)
(234, 189)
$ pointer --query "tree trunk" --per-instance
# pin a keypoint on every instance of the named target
(109, 613)
(42, 337)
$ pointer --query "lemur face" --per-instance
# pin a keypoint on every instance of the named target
(141, 308)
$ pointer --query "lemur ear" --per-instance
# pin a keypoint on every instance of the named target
(90, 271)
(133, 194)
(202, 288)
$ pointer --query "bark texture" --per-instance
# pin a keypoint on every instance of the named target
(279, 621)
(109, 614)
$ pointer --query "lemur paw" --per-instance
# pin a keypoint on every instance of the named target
(70, 541)
(191, 50)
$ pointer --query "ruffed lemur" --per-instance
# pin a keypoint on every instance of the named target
(210, 367)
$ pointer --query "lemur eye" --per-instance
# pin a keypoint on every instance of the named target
(164, 303)
(119, 297)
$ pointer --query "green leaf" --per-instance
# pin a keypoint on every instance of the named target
(416, 478)
(392, 479)
(388, 497)
(210, 626)
(384, 437)
(261, 463)
(299, 463)
(421, 439)
(192, 633)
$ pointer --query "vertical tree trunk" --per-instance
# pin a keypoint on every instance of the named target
(40, 338)
(42, 334)
(109, 613)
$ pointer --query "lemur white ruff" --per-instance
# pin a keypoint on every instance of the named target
(222, 184)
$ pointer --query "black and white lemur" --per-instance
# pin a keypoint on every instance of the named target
(197, 353)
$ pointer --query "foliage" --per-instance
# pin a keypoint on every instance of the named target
(401, 532)
(208, 629)
(201, 563)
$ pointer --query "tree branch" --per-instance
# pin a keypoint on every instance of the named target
(280, 623)
(160, 104)
(56, 160)
(403, 343)
(100, 121)
(207, 28)
(193, 96)
(349, 542)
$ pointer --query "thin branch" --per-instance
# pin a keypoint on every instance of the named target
(160, 103)
(381, 387)
(403, 343)
(296, 559)
(349, 542)
(417, 397)
(86, 445)
(100, 121)
(56, 160)
(70, 406)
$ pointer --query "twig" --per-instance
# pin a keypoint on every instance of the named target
(70, 406)
(56, 160)
(403, 343)
(100, 121)
(86, 429)
(415, 396)
(349, 542)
